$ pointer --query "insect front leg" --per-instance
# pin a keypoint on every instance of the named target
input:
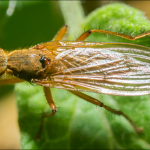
(87, 33)
(52, 105)
(96, 102)
(61, 33)
(10, 81)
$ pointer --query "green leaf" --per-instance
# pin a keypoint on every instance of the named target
(77, 123)
(118, 18)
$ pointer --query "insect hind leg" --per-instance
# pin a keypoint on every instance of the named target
(117, 112)
(87, 33)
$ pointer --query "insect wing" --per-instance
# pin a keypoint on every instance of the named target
(114, 69)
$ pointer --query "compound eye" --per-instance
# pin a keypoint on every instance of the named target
(45, 61)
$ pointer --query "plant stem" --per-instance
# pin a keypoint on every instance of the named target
(73, 16)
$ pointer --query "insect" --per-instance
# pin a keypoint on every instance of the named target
(108, 68)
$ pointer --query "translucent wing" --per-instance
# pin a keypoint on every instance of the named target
(115, 69)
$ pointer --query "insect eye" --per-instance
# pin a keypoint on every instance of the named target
(45, 61)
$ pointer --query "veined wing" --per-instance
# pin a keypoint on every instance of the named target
(115, 69)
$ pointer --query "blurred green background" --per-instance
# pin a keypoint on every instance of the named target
(30, 23)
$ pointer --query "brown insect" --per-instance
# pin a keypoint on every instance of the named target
(108, 68)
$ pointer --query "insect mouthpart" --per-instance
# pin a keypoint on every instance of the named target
(45, 61)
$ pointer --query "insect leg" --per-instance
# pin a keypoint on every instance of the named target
(96, 102)
(52, 105)
(87, 33)
(60, 34)
(10, 81)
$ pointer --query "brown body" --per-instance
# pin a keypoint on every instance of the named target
(26, 64)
